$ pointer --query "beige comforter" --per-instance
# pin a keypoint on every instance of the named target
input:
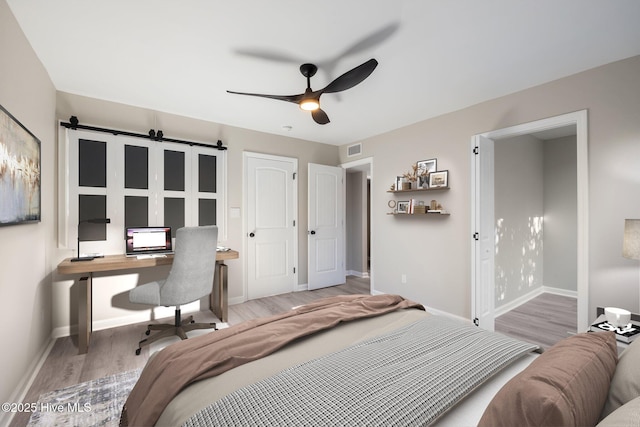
(195, 359)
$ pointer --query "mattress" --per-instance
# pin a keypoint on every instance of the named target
(199, 395)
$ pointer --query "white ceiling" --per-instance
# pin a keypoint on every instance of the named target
(435, 56)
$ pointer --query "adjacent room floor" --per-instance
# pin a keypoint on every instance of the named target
(544, 320)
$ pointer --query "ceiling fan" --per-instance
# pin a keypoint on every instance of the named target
(310, 99)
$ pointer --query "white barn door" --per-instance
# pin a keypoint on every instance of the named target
(326, 226)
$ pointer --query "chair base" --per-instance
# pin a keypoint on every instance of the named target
(179, 328)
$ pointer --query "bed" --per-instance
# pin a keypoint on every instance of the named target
(371, 360)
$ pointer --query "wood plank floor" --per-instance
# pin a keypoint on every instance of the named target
(544, 320)
(113, 350)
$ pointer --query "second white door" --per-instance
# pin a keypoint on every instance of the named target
(326, 226)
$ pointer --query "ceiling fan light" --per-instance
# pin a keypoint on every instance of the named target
(309, 104)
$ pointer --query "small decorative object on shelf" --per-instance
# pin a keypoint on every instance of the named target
(420, 208)
(410, 178)
(402, 183)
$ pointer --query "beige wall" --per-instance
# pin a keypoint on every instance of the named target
(110, 292)
(519, 212)
(560, 210)
(435, 253)
(26, 250)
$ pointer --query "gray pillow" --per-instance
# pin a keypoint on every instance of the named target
(627, 415)
(625, 384)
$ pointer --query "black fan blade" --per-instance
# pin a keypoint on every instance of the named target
(370, 41)
(320, 117)
(352, 77)
(289, 98)
(268, 54)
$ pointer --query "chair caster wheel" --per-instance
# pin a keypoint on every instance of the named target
(138, 352)
(147, 332)
(193, 321)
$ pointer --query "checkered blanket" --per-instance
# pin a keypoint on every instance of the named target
(405, 378)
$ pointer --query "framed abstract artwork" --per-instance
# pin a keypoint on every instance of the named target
(19, 172)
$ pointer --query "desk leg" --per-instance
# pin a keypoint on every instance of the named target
(85, 313)
(218, 299)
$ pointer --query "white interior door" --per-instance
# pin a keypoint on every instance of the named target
(483, 247)
(326, 226)
(271, 215)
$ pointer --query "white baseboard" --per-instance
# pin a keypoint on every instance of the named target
(361, 274)
(236, 300)
(531, 295)
(499, 311)
(559, 291)
(142, 316)
(433, 310)
(446, 314)
(21, 390)
(243, 299)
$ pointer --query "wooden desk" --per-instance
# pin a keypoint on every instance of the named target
(114, 263)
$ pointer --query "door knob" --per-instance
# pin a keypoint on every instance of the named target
(252, 234)
(312, 232)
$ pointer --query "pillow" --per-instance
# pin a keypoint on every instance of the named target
(625, 385)
(626, 415)
(565, 386)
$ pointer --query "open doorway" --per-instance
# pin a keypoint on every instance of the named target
(535, 190)
(357, 220)
(490, 229)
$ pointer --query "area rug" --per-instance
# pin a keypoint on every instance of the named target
(92, 403)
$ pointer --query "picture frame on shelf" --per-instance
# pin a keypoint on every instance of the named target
(399, 180)
(402, 207)
(427, 166)
(439, 179)
(423, 169)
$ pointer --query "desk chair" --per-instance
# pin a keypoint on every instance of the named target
(191, 278)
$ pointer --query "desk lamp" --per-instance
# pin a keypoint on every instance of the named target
(90, 221)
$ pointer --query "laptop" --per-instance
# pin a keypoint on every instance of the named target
(148, 241)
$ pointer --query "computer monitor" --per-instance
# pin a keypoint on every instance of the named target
(148, 240)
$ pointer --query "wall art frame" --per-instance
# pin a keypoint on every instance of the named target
(20, 172)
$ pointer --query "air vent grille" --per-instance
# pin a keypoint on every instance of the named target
(354, 150)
